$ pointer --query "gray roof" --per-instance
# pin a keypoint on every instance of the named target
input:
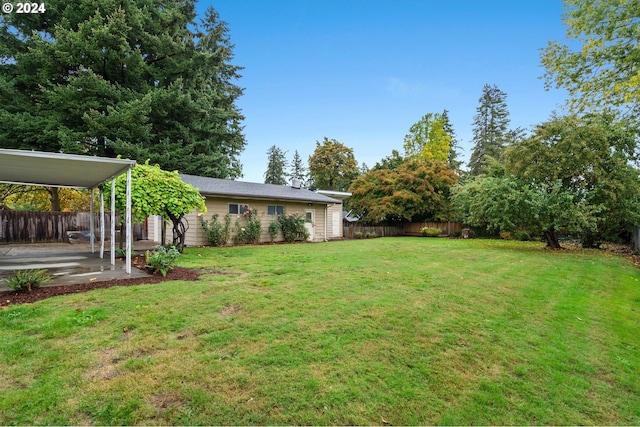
(224, 187)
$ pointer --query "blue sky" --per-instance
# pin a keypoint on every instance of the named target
(363, 71)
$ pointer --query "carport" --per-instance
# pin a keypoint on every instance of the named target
(72, 171)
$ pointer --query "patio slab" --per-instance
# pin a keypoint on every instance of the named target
(66, 263)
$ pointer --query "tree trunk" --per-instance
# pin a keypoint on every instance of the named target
(179, 232)
(55, 199)
(552, 239)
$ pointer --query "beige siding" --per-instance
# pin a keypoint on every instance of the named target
(196, 237)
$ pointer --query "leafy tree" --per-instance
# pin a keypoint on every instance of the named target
(298, 170)
(141, 79)
(572, 175)
(277, 164)
(506, 203)
(603, 70)
(454, 146)
(490, 128)
(332, 165)
(428, 139)
(157, 192)
(417, 189)
(590, 156)
(39, 198)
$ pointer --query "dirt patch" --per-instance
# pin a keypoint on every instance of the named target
(178, 273)
(229, 310)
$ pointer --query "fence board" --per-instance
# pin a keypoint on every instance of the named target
(46, 227)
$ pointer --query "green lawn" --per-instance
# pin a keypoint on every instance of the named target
(395, 330)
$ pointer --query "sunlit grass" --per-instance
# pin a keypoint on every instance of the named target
(398, 331)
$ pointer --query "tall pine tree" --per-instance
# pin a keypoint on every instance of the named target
(490, 128)
(144, 79)
(298, 169)
(276, 167)
(454, 146)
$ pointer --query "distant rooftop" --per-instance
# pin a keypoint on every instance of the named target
(225, 187)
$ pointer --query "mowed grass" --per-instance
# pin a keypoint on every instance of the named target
(385, 331)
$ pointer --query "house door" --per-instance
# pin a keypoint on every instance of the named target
(309, 222)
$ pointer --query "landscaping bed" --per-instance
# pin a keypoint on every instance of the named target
(178, 273)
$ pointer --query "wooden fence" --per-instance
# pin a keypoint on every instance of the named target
(41, 227)
(446, 228)
(350, 230)
(405, 229)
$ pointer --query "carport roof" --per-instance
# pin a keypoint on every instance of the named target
(57, 169)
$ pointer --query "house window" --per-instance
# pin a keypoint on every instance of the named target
(238, 208)
(275, 210)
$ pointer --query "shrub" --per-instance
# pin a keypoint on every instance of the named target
(457, 234)
(27, 280)
(274, 229)
(505, 235)
(370, 234)
(358, 234)
(523, 236)
(162, 259)
(252, 229)
(430, 232)
(217, 233)
(293, 227)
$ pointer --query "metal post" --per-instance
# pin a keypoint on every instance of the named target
(113, 222)
(91, 221)
(101, 224)
(128, 222)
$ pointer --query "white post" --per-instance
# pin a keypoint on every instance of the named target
(113, 222)
(91, 221)
(128, 222)
(101, 224)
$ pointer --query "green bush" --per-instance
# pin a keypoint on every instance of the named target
(28, 280)
(274, 229)
(457, 234)
(523, 236)
(358, 235)
(430, 232)
(217, 233)
(162, 259)
(370, 234)
(252, 229)
(293, 227)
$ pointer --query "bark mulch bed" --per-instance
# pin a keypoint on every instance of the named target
(178, 273)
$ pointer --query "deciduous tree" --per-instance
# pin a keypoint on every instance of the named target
(602, 70)
(158, 192)
(418, 189)
(428, 139)
(332, 165)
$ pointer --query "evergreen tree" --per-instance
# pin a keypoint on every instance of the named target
(454, 146)
(143, 79)
(490, 128)
(298, 170)
(276, 167)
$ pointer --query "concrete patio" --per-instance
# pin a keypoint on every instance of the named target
(66, 263)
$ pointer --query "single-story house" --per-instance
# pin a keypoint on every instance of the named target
(322, 209)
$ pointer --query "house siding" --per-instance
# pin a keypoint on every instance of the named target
(219, 205)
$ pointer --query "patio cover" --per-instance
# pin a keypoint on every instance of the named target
(68, 170)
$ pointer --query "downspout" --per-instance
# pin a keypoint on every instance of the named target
(326, 208)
